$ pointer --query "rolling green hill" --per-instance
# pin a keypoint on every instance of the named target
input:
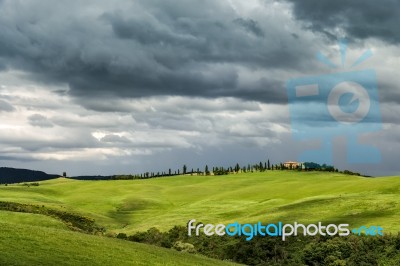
(22, 244)
(137, 205)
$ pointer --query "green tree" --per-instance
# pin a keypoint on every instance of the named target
(237, 167)
(184, 169)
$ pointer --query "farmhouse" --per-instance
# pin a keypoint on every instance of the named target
(292, 165)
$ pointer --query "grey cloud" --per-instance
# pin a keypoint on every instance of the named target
(251, 26)
(111, 138)
(181, 105)
(38, 120)
(224, 119)
(389, 92)
(359, 19)
(170, 81)
(6, 106)
(3, 66)
(152, 48)
(105, 105)
(86, 121)
(390, 113)
(17, 158)
(73, 140)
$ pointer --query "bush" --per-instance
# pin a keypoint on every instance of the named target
(34, 184)
(184, 247)
(122, 236)
(301, 250)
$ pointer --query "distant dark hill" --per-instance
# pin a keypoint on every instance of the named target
(12, 175)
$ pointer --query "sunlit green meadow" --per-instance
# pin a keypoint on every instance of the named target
(289, 196)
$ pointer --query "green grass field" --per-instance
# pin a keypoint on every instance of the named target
(137, 205)
(22, 244)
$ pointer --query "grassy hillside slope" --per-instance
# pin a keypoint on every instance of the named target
(22, 244)
(29, 219)
(132, 205)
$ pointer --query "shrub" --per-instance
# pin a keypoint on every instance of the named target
(301, 250)
(122, 236)
(184, 247)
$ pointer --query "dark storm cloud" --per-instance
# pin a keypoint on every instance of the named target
(360, 19)
(251, 26)
(147, 48)
(389, 92)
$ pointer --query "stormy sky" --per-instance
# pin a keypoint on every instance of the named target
(108, 87)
